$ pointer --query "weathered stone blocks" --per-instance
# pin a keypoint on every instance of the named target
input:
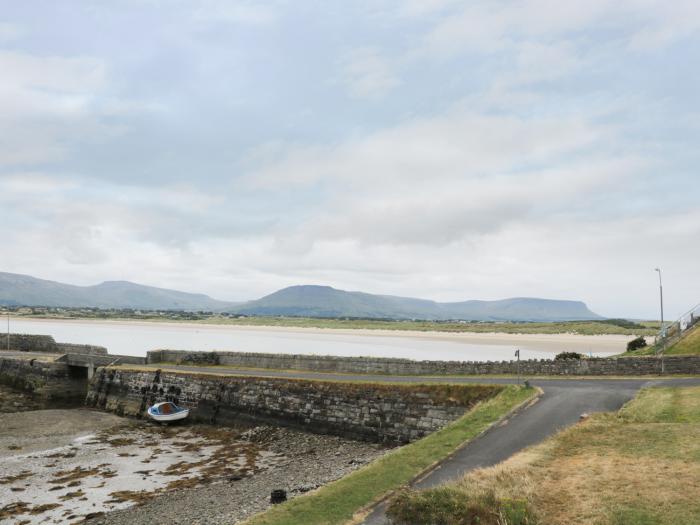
(391, 413)
(649, 365)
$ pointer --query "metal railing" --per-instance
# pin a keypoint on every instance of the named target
(670, 333)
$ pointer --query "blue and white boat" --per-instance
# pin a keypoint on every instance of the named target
(167, 411)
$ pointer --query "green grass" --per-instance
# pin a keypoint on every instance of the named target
(639, 466)
(337, 502)
(446, 505)
(609, 326)
(689, 344)
(664, 405)
(574, 327)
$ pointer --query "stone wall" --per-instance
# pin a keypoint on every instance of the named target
(46, 344)
(621, 366)
(45, 379)
(384, 413)
(70, 348)
(28, 343)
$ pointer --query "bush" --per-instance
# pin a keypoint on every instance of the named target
(636, 344)
(449, 506)
(568, 355)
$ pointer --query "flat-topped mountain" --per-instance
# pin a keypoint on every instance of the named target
(324, 301)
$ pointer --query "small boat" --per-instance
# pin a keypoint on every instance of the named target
(167, 411)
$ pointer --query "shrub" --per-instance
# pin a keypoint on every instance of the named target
(568, 355)
(636, 344)
(449, 506)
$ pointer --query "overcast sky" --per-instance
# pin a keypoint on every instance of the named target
(440, 149)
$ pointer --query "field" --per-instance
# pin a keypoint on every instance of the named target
(603, 327)
(640, 466)
(337, 502)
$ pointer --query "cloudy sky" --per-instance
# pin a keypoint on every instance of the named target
(433, 148)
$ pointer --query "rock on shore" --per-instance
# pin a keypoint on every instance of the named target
(310, 461)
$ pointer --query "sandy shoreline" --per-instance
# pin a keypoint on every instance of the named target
(610, 343)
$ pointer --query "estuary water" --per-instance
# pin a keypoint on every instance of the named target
(137, 337)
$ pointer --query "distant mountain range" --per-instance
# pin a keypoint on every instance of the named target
(23, 290)
(299, 301)
(324, 301)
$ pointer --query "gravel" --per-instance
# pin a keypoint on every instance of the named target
(311, 460)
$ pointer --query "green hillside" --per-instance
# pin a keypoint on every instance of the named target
(689, 344)
(324, 301)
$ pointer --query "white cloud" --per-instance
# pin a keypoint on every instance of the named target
(367, 74)
(486, 149)
(666, 22)
(488, 27)
(47, 85)
(457, 144)
(46, 101)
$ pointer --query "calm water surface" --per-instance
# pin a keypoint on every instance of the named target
(137, 338)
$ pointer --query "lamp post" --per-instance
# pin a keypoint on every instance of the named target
(663, 331)
(661, 299)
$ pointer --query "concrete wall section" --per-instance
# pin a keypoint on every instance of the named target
(46, 344)
(45, 379)
(374, 365)
(70, 348)
(28, 343)
(383, 413)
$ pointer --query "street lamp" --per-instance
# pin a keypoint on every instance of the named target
(661, 298)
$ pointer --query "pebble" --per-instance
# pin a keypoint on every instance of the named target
(314, 460)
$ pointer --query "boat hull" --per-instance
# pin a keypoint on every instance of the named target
(167, 411)
(170, 417)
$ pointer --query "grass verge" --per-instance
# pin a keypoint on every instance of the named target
(638, 466)
(337, 502)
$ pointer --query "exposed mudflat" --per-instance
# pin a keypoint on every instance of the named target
(66, 466)
(39, 430)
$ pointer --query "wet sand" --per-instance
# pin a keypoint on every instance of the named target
(69, 465)
(291, 339)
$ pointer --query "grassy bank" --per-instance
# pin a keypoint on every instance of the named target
(339, 501)
(640, 466)
(688, 345)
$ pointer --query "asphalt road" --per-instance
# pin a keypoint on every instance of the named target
(561, 405)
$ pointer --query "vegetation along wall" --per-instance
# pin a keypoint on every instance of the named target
(650, 365)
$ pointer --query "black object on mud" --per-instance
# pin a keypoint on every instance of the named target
(278, 496)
